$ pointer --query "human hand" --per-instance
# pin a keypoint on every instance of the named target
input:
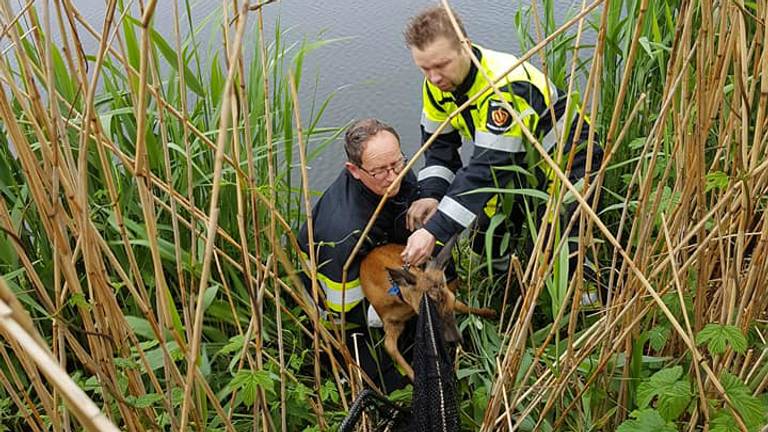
(419, 213)
(419, 247)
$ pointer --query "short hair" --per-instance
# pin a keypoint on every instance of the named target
(358, 135)
(430, 24)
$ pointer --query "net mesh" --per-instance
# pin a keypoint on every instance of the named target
(434, 406)
(434, 388)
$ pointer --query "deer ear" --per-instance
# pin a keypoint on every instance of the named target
(441, 259)
(404, 283)
(401, 276)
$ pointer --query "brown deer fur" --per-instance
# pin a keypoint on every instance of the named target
(382, 267)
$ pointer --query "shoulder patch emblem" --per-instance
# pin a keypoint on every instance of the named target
(499, 119)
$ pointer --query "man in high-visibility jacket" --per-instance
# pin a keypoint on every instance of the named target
(374, 160)
(449, 201)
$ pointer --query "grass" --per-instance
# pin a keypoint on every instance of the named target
(148, 205)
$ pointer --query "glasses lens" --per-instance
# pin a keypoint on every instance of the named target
(382, 173)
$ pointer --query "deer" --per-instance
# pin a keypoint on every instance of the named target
(395, 292)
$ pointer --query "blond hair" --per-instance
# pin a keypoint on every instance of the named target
(431, 24)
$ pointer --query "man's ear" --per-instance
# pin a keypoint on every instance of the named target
(353, 169)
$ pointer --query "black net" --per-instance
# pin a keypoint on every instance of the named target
(434, 405)
(434, 390)
(381, 414)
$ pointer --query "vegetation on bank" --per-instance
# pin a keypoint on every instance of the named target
(149, 200)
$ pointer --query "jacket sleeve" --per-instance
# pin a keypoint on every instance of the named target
(442, 159)
(498, 142)
(331, 257)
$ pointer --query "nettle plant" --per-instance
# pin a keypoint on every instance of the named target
(669, 397)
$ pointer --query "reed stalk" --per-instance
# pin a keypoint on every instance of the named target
(148, 212)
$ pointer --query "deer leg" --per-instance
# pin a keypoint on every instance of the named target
(460, 307)
(392, 331)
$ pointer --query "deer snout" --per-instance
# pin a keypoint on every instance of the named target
(451, 333)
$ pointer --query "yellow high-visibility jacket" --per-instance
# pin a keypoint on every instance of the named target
(498, 140)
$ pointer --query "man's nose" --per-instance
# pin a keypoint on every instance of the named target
(433, 76)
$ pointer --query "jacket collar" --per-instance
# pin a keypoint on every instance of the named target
(464, 87)
(359, 189)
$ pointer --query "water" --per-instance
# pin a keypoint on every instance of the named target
(372, 74)
(369, 70)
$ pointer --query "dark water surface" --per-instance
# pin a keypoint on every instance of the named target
(367, 69)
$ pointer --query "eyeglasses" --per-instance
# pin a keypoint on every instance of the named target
(381, 173)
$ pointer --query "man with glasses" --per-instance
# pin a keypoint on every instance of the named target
(374, 160)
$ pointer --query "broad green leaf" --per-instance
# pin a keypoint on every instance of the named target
(752, 409)
(672, 300)
(107, 117)
(674, 400)
(403, 395)
(248, 382)
(140, 326)
(132, 46)
(716, 180)
(216, 81)
(147, 400)
(155, 356)
(296, 361)
(658, 336)
(328, 391)
(246, 385)
(647, 420)
(7, 252)
(124, 363)
(717, 337)
(301, 392)
(737, 339)
(78, 300)
(667, 376)
(235, 344)
(673, 393)
(177, 396)
(723, 421)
